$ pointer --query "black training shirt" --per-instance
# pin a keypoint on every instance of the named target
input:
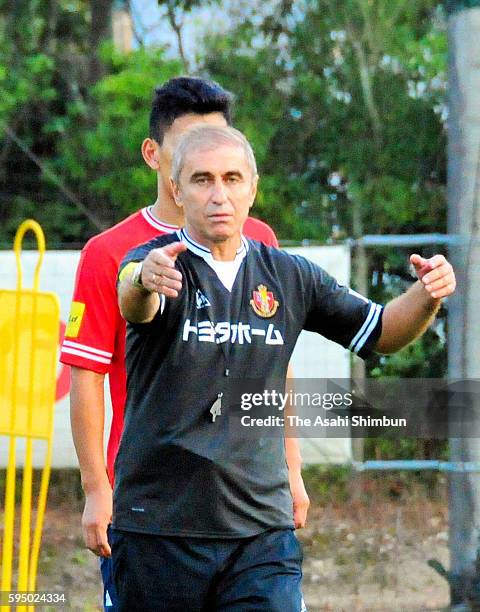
(178, 472)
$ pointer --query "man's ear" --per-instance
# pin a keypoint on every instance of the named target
(253, 192)
(176, 193)
(150, 153)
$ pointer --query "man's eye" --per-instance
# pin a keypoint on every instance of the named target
(233, 179)
(201, 180)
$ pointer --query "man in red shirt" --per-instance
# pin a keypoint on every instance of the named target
(94, 342)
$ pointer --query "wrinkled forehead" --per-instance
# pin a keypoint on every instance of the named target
(216, 147)
(208, 153)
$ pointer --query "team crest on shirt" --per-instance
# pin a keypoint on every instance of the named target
(263, 303)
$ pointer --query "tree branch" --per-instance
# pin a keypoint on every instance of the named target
(365, 81)
(55, 179)
(177, 28)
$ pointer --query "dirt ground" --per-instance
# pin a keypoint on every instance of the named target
(366, 547)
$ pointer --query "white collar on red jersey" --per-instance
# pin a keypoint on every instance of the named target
(150, 218)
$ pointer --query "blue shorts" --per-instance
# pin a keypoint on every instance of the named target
(177, 574)
(106, 569)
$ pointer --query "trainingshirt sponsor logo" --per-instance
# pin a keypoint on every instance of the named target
(202, 301)
(235, 333)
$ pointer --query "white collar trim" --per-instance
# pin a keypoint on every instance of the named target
(154, 222)
(205, 253)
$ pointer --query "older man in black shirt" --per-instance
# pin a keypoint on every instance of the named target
(202, 514)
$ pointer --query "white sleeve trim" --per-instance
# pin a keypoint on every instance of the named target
(86, 348)
(368, 326)
(90, 356)
(358, 295)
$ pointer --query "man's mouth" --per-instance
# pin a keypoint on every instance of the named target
(220, 217)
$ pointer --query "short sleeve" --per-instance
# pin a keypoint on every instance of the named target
(94, 315)
(338, 312)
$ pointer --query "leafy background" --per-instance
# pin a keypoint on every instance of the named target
(344, 104)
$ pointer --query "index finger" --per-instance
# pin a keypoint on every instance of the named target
(174, 249)
(160, 257)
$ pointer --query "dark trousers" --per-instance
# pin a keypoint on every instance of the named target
(255, 574)
(106, 569)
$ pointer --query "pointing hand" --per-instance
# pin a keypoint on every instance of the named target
(159, 273)
(436, 274)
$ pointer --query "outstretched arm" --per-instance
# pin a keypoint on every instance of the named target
(139, 302)
(408, 316)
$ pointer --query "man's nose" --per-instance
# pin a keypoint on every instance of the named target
(219, 195)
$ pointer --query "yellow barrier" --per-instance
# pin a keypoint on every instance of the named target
(29, 324)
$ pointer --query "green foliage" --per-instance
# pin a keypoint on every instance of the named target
(343, 103)
(327, 483)
(345, 108)
(36, 79)
(349, 103)
(185, 6)
(425, 358)
(333, 485)
(454, 6)
(101, 154)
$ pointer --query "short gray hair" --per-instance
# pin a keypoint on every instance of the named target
(207, 138)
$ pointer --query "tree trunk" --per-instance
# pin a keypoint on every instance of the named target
(177, 27)
(360, 275)
(100, 30)
(464, 311)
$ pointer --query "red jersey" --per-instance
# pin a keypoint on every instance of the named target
(95, 334)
